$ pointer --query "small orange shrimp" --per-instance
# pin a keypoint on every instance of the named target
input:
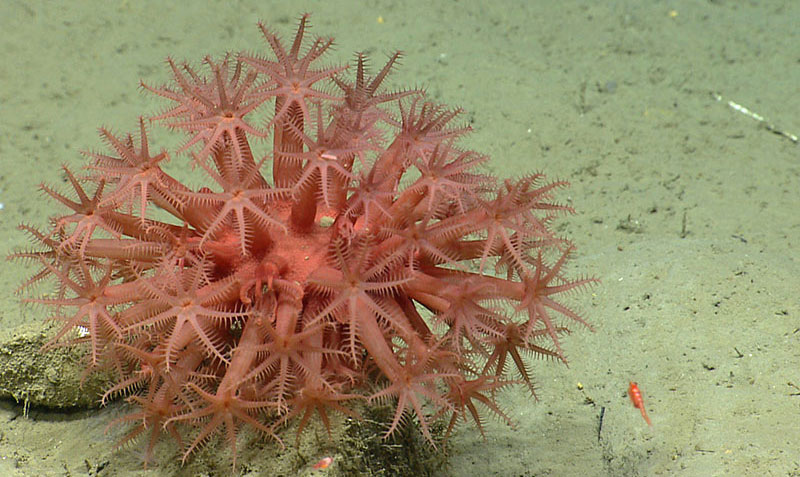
(636, 399)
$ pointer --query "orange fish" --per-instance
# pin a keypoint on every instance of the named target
(636, 399)
(323, 463)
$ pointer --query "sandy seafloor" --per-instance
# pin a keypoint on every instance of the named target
(687, 210)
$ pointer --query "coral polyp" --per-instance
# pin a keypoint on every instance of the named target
(364, 256)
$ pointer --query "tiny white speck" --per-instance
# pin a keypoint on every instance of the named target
(529, 130)
(2, 206)
(82, 331)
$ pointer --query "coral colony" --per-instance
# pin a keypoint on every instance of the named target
(366, 257)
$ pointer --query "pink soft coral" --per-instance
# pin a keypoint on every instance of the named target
(360, 264)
